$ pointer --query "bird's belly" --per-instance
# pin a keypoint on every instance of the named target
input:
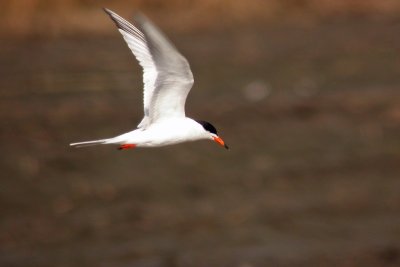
(164, 139)
(169, 133)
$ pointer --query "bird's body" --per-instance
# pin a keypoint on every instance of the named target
(168, 132)
(167, 81)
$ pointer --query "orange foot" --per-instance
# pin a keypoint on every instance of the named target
(126, 146)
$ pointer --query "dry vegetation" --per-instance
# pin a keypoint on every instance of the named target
(27, 17)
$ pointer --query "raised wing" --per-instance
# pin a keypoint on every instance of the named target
(167, 76)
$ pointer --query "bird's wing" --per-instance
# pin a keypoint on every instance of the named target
(167, 76)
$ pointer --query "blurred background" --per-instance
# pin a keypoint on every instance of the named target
(305, 92)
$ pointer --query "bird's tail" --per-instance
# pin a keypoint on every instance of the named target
(89, 143)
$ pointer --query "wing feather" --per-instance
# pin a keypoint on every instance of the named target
(167, 76)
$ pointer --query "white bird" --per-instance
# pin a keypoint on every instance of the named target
(167, 81)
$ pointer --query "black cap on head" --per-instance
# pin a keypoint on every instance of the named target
(208, 127)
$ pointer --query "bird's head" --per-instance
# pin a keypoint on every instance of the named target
(211, 133)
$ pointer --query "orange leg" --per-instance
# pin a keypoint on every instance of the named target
(126, 146)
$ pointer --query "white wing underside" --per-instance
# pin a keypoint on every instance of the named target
(167, 77)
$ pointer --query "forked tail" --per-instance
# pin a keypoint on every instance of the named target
(89, 143)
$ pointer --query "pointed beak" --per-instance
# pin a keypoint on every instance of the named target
(221, 142)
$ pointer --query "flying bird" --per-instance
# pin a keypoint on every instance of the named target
(167, 81)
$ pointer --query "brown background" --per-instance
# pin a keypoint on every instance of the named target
(306, 93)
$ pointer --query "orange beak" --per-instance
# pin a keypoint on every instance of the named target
(221, 142)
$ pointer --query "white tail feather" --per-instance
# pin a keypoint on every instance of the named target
(89, 143)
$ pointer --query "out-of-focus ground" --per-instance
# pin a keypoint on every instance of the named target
(311, 113)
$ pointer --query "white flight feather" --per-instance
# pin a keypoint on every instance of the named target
(167, 77)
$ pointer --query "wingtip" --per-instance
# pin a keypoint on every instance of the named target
(137, 14)
(106, 10)
(140, 18)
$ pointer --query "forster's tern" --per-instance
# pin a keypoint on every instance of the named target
(167, 81)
